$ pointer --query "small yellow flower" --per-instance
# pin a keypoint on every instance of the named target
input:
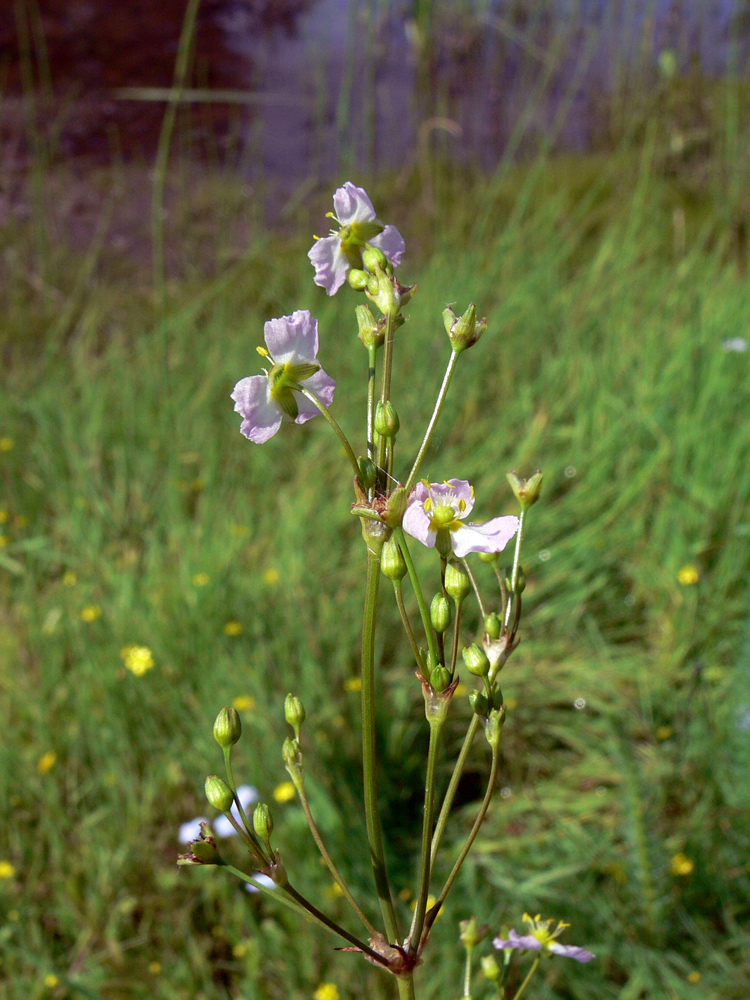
(154, 968)
(326, 991)
(69, 578)
(353, 684)
(431, 900)
(688, 576)
(90, 613)
(46, 762)
(51, 981)
(694, 977)
(3, 515)
(714, 674)
(239, 950)
(137, 659)
(271, 577)
(663, 733)
(244, 703)
(14, 916)
(405, 894)
(284, 792)
(239, 530)
(510, 703)
(6, 443)
(232, 628)
(4, 540)
(682, 865)
(201, 580)
(6, 870)
(460, 691)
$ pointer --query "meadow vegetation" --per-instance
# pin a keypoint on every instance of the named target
(134, 514)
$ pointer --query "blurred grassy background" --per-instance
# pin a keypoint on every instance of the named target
(133, 512)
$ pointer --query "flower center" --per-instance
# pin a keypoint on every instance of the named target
(442, 517)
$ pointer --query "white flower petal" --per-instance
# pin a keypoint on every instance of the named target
(492, 536)
(293, 338)
(261, 417)
(191, 830)
(352, 204)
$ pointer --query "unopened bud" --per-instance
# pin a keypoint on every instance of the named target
(520, 581)
(373, 258)
(392, 561)
(457, 583)
(490, 968)
(369, 333)
(479, 703)
(263, 823)
(218, 793)
(228, 727)
(294, 713)
(463, 331)
(488, 557)
(493, 727)
(397, 503)
(526, 490)
(440, 613)
(471, 934)
(476, 660)
(386, 420)
(291, 753)
(368, 472)
(357, 279)
(493, 625)
(440, 678)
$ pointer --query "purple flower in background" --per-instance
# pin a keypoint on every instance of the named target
(541, 938)
(333, 255)
(265, 400)
(442, 507)
(222, 827)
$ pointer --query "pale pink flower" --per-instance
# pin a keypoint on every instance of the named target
(265, 400)
(333, 255)
(436, 507)
(541, 938)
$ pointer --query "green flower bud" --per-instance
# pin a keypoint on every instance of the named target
(490, 968)
(202, 851)
(394, 513)
(476, 660)
(218, 793)
(465, 331)
(526, 491)
(440, 678)
(440, 613)
(391, 560)
(291, 753)
(520, 580)
(357, 279)
(492, 625)
(383, 291)
(370, 333)
(457, 583)
(228, 727)
(493, 727)
(368, 472)
(489, 557)
(375, 534)
(263, 823)
(386, 420)
(471, 934)
(294, 713)
(374, 258)
(479, 703)
(496, 698)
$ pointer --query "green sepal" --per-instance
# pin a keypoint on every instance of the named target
(300, 372)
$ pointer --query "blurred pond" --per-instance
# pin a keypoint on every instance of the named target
(313, 87)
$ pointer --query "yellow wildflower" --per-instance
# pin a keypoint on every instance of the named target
(69, 578)
(6, 443)
(232, 628)
(694, 977)
(271, 576)
(663, 733)
(239, 530)
(334, 891)
(46, 762)
(239, 950)
(137, 659)
(244, 703)
(154, 968)
(6, 870)
(284, 792)
(4, 540)
(201, 580)
(460, 691)
(326, 991)
(51, 981)
(353, 684)
(688, 576)
(3, 515)
(90, 613)
(682, 864)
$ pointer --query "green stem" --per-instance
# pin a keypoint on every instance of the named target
(527, 980)
(452, 787)
(330, 862)
(341, 436)
(503, 591)
(423, 610)
(415, 934)
(467, 974)
(369, 763)
(372, 357)
(399, 592)
(456, 637)
(514, 571)
(474, 830)
(248, 831)
(385, 386)
(475, 585)
(433, 421)
(271, 893)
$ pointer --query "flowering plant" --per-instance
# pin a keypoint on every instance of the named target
(390, 506)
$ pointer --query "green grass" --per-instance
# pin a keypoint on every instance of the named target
(127, 477)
